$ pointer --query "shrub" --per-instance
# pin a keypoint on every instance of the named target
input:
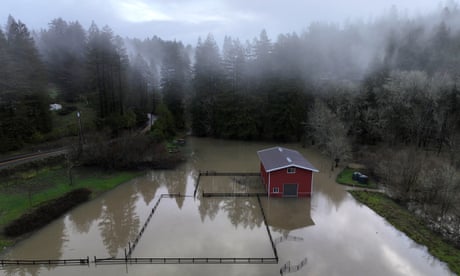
(47, 212)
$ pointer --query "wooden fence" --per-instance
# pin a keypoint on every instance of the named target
(214, 173)
(129, 260)
(185, 261)
(63, 262)
(275, 252)
(233, 194)
(132, 246)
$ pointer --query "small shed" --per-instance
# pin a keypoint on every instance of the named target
(286, 173)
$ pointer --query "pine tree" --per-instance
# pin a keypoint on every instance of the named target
(208, 78)
(174, 78)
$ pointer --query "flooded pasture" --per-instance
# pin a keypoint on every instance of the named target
(334, 233)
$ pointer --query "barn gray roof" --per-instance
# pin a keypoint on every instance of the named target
(278, 158)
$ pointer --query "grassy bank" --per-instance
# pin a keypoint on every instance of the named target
(404, 221)
(345, 177)
(24, 191)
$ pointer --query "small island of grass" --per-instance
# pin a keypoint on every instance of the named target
(345, 177)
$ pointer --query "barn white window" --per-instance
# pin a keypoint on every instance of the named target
(291, 170)
(276, 190)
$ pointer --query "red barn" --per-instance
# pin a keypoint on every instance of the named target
(286, 173)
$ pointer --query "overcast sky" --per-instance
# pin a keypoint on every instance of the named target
(186, 20)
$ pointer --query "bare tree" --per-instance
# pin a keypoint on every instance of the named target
(329, 133)
(440, 184)
(400, 172)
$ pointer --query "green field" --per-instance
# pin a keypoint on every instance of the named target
(413, 227)
(345, 178)
(26, 190)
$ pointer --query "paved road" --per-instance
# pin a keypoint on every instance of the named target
(24, 158)
(151, 121)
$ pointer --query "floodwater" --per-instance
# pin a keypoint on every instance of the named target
(331, 231)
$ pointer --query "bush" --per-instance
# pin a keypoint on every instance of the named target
(46, 213)
(36, 138)
(127, 152)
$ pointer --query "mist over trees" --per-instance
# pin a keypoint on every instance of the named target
(383, 90)
(23, 99)
(264, 88)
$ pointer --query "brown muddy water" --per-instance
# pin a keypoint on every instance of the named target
(334, 233)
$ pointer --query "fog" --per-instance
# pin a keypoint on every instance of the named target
(347, 77)
(186, 20)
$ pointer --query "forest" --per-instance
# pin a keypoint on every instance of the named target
(383, 92)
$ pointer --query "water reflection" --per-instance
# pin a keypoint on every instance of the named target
(53, 237)
(336, 234)
(83, 218)
(243, 212)
(287, 214)
(209, 207)
(148, 191)
(176, 181)
(119, 222)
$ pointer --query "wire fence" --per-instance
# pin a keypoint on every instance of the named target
(49, 262)
(147, 260)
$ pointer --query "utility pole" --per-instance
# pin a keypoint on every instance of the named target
(80, 134)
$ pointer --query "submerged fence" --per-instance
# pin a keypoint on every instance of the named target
(268, 229)
(287, 238)
(288, 268)
(228, 194)
(132, 246)
(126, 260)
(233, 194)
(64, 262)
(186, 261)
(158, 260)
(214, 173)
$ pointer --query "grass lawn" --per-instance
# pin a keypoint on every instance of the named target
(413, 227)
(345, 178)
(24, 191)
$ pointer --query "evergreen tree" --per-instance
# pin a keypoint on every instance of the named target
(174, 81)
(107, 63)
(23, 100)
(63, 49)
(208, 79)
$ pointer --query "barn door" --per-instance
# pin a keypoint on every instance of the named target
(290, 190)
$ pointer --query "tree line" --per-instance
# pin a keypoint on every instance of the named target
(23, 99)
(259, 89)
(388, 83)
(91, 67)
